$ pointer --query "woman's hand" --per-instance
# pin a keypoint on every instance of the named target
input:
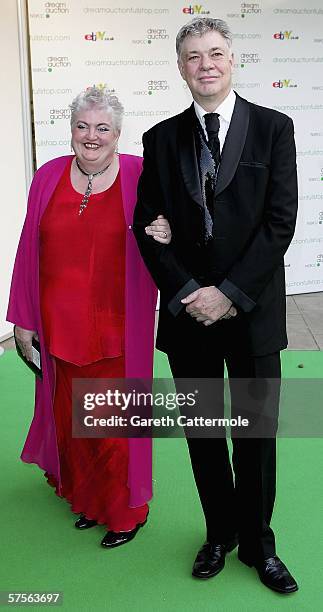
(24, 338)
(160, 230)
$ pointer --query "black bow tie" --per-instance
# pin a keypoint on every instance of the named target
(212, 125)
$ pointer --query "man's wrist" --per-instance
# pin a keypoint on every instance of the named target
(175, 305)
(237, 296)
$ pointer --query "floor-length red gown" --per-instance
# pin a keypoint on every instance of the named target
(82, 287)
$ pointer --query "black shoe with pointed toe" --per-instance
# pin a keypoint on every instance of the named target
(210, 559)
(112, 539)
(84, 523)
(274, 574)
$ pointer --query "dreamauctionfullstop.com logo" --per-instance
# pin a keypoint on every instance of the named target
(59, 113)
(250, 8)
(51, 9)
(54, 62)
(58, 62)
(157, 86)
(152, 34)
(56, 8)
(246, 8)
(317, 263)
(249, 58)
(317, 221)
(152, 86)
(318, 177)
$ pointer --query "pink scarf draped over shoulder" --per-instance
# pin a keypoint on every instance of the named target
(24, 310)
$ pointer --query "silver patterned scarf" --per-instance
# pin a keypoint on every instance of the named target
(208, 176)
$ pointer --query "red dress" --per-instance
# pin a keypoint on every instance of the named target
(82, 282)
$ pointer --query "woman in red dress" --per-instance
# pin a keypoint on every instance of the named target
(82, 280)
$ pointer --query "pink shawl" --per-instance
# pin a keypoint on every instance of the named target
(24, 310)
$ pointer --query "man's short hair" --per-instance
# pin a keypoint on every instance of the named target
(201, 25)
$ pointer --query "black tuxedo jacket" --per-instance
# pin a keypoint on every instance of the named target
(254, 221)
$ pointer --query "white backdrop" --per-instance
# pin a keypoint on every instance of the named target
(130, 50)
(15, 153)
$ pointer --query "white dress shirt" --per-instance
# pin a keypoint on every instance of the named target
(225, 110)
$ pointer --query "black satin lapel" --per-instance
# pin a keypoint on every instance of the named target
(187, 156)
(234, 144)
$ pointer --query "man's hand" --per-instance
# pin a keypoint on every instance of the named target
(24, 338)
(208, 304)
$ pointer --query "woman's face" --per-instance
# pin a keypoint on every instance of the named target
(94, 139)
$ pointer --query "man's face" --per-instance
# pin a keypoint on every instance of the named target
(206, 64)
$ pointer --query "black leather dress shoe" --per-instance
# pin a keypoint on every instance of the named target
(210, 559)
(84, 523)
(274, 574)
(117, 538)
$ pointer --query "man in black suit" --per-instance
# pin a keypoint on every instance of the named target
(223, 172)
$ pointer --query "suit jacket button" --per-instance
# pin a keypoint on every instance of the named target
(129, 226)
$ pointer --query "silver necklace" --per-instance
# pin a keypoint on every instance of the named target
(88, 191)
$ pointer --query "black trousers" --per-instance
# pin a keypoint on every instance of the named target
(241, 502)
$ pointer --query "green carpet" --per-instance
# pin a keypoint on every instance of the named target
(42, 551)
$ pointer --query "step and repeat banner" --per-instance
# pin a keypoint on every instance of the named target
(130, 49)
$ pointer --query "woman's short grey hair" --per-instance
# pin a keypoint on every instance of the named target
(101, 99)
(201, 25)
